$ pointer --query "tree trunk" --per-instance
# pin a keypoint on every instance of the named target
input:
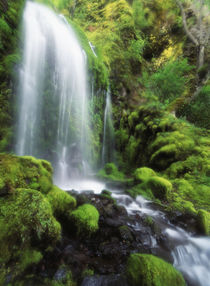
(201, 56)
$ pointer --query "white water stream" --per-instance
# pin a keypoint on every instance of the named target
(191, 255)
(108, 136)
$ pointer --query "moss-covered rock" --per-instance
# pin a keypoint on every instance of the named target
(86, 219)
(141, 190)
(61, 202)
(148, 270)
(160, 187)
(143, 174)
(24, 172)
(204, 221)
(26, 219)
(111, 172)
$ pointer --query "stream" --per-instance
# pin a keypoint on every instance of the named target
(191, 255)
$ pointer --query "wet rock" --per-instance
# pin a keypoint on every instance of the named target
(109, 280)
(125, 233)
(60, 274)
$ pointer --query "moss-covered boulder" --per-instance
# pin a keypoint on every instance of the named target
(61, 202)
(160, 187)
(141, 190)
(86, 219)
(204, 221)
(26, 219)
(169, 147)
(111, 172)
(24, 172)
(143, 174)
(148, 270)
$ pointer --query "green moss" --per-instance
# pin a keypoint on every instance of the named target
(141, 190)
(160, 187)
(111, 172)
(170, 147)
(86, 219)
(149, 221)
(28, 258)
(25, 172)
(143, 174)
(148, 270)
(60, 201)
(25, 216)
(204, 221)
(87, 272)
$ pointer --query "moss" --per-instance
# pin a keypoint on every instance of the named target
(61, 202)
(148, 270)
(86, 219)
(28, 258)
(170, 147)
(141, 190)
(125, 233)
(143, 174)
(25, 219)
(108, 195)
(160, 187)
(203, 219)
(87, 272)
(149, 221)
(25, 172)
(111, 172)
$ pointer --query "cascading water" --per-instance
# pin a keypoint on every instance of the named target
(108, 136)
(191, 255)
(53, 99)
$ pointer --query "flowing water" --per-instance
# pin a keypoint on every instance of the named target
(108, 136)
(191, 255)
(53, 95)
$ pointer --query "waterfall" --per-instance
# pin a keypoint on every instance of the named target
(108, 136)
(53, 96)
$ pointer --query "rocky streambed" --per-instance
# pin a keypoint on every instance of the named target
(127, 226)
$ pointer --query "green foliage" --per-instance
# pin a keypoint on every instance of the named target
(111, 172)
(10, 13)
(61, 202)
(170, 81)
(197, 111)
(148, 270)
(204, 221)
(86, 219)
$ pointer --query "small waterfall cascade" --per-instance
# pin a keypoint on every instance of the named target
(108, 135)
(53, 94)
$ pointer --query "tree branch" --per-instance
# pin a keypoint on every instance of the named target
(189, 34)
